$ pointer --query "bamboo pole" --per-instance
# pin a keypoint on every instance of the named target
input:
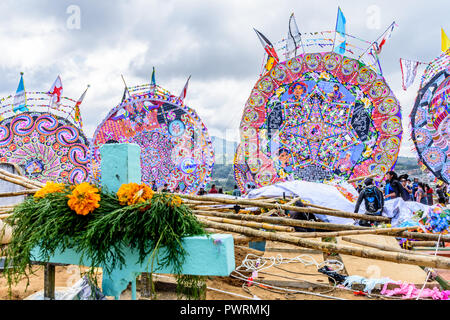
(17, 181)
(18, 193)
(424, 236)
(4, 216)
(251, 224)
(283, 221)
(361, 178)
(369, 253)
(379, 231)
(22, 178)
(238, 238)
(290, 203)
(423, 244)
(291, 208)
(380, 246)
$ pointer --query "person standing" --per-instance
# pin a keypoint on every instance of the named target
(440, 191)
(429, 192)
(420, 194)
(213, 189)
(405, 192)
(414, 188)
(373, 200)
(236, 191)
(393, 187)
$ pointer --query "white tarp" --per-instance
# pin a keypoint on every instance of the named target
(315, 193)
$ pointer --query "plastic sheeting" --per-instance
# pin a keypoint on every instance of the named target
(316, 193)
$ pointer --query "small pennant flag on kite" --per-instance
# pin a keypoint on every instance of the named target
(340, 33)
(445, 41)
(153, 77)
(294, 36)
(55, 93)
(409, 72)
(20, 99)
(77, 116)
(183, 93)
(267, 45)
(386, 35)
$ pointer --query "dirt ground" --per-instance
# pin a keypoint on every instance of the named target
(66, 276)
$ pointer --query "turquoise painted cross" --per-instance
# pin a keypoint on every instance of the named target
(212, 256)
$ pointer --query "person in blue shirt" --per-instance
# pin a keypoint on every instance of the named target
(415, 185)
(392, 189)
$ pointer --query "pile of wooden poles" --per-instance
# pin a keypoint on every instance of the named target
(219, 215)
(30, 187)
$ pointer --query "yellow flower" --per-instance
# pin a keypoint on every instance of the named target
(133, 193)
(49, 187)
(84, 199)
(175, 201)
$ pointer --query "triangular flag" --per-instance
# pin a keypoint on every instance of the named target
(183, 93)
(55, 93)
(386, 35)
(340, 32)
(77, 116)
(20, 99)
(267, 45)
(153, 77)
(409, 72)
(294, 37)
(445, 41)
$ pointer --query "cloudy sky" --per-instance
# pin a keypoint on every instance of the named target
(95, 42)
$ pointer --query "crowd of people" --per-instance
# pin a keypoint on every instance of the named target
(395, 186)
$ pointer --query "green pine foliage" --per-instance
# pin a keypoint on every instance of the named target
(101, 236)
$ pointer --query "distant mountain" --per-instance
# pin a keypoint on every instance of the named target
(224, 154)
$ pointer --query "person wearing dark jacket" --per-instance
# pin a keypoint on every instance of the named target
(373, 200)
(393, 188)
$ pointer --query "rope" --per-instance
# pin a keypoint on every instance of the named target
(429, 271)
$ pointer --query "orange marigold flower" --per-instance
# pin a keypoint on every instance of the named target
(175, 201)
(49, 187)
(133, 193)
(84, 199)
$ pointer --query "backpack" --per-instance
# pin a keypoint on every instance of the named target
(372, 199)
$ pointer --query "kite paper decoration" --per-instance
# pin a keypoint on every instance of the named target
(318, 116)
(430, 127)
(409, 72)
(45, 142)
(175, 145)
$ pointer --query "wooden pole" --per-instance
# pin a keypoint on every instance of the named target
(17, 181)
(361, 178)
(273, 211)
(22, 178)
(251, 224)
(4, 216)
(380, 231)
(424, 236)
(337, 213)
(283, 221)
(18, 193)
(413, 259)
(423, 244)
(380, 246)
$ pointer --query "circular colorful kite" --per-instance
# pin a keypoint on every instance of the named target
(317, 117)
(430, 126)
(175, 145)
(46, 142)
